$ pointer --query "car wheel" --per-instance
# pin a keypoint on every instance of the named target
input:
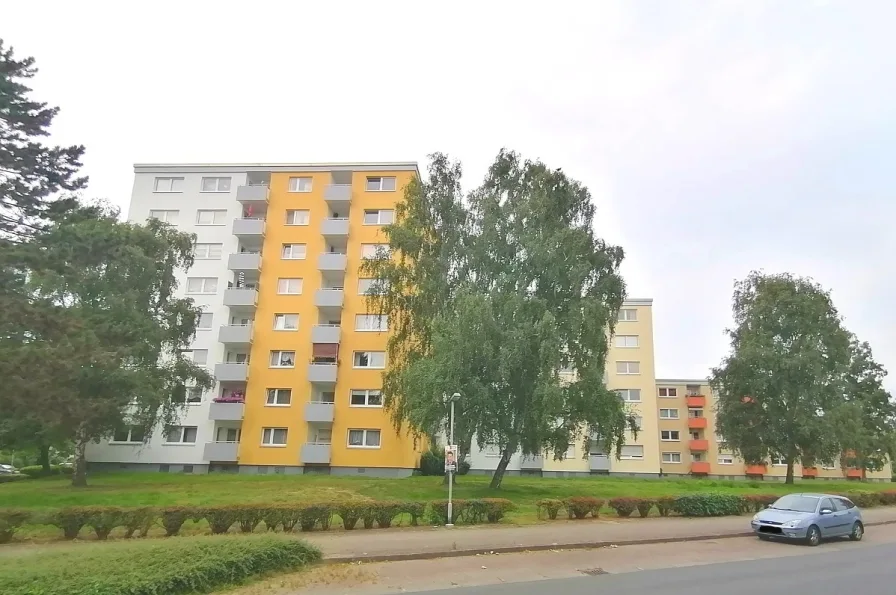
(858, 531)
(813, 536)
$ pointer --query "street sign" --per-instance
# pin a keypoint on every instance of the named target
(451, 458)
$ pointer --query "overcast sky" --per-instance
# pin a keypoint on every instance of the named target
(716, 137)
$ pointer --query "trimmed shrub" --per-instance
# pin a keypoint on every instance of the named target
(486, 510)
(438, 511)
(665, 505)
(624, 507)
(290, 517)
(103, 519)
(350, 513)
(644, 507)
(173, 517)
(220, 518)
(709, 504)
(581, 506)
(249, 516)
(548, 508)
(11, 477)
(415, 510)
(385, 512)
(314, 515)
(71, 519)
(10, 520)
(757, 502)
(863, 498)
(38, 471)
(138, 519)
(152, 567)
(887, 498)
(272, 516)
(432, 462)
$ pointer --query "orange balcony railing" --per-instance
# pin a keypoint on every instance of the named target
(699, 445)
(696, 401)
(854, 474)
(755, 470)
(696, 423)
(810, 472)
(700, 468)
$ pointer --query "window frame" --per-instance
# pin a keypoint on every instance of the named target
(171, 185)
(211, 321)
(628, 391)
(203, 282)
(282, 352)
(284, 315)
(130, 437)
(298, 186)
(379, 217)
(625, 457)
(367, 394)
(364, 445)
(670, 438)
(671, 452)
(167, 217)
(217, 180)
(669, 409)
(377, 254)
(674, 390)
(291, 223)
(197, 255)
(289, 247)
(624, 318)
(357, 367)
(380, 184)
(276, 392)
(183, 432)
(272, 430)
(728, 457)
(204, 361)
(301, 282)
(382, 318)
(214, 212)
(628, 367)
(635, 346)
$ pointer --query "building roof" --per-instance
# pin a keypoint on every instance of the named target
(275, 167)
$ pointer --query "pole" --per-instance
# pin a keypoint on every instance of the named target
(450, 471)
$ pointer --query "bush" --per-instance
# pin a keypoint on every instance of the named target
(138, 519)
(644, 507)
(757, 502)
(709, 504)
(151, 567)
(103, 519)
(624, 507)
(665, 505)
(38, 471)
(887, 498)
(11, 477)
(415, 510)
(581, 506)
(438, 511)
(314, 515)
(548, 507)
(432, 462)
(863, 499)
(486, 510)
(173, 517)
(10, 520)
(385, 512)
(71, 519)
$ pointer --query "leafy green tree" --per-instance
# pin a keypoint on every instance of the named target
(783, 377)
(507, 289)
(106, 331)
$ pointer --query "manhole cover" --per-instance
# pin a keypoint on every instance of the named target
(594, 571)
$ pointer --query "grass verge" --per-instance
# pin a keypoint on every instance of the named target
(179, 565)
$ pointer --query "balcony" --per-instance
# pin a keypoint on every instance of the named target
(226, 411)
(322, 373)
(810, 472)
(599, 462)
(244, 261)
(755, 470)
(853, 474)
(338, 194)
(325, 333)
(229, 372)
(315, 454)
(235, 334)
(329, 298)
(319, 412)
(224, 452)
(335, 227)
(699, 445)
(331, 262)
(700, 468)
(252, 194)
(531, 463)
(696, 401)
(248, 228)
(696, 423)
(241, 297)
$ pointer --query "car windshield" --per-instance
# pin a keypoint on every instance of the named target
(796, 503)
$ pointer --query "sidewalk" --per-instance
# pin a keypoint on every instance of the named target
(376, 545)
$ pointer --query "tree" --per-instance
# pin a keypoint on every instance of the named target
(499, 295)
(782, 380)
(865, 420)
(105, 330)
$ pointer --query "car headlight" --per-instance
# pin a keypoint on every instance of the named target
(755, 517)
(792, 524)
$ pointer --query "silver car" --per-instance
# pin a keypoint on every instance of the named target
(809, 518)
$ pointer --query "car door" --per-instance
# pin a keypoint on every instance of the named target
(845, 511)
(827, 522)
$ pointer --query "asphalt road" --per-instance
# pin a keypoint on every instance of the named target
(863, 569)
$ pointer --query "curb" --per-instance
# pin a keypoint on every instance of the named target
(516, 549)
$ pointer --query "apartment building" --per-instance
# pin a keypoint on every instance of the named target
(297, 358)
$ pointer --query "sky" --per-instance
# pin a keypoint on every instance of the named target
(716, 137)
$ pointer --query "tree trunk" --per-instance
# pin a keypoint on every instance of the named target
(789, 478)
(44, 458)
(79, 473)
(498, 477)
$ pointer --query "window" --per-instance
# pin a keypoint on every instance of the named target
(371, 322)
(287, 286)
(669, 435)
(668, 392)
(828, 466)
(215, 185)
(364, 438)
(283, 359)
(695, 413)
(366, 398)
(380, 184)
(379, 217)
(725, 459)
(638, 420)
(369, 251)
(372, 286)
(631, 395)
(181, 435)
(370, 359)
(300, 184)
(227, 435)
(286, 322)
(200, 357)
(279, 397)
(671, 457)
(628, 315)
(626, 340)
(169, 185)
(166, 216)
(628, 367)
(779, 461)
(194, 394)
(293, 252)
(273, 436)
(323, 435)
(204, 322)
(328, 397)
(207, 251)
(634, 451)
(843, 504)
(208, 285)
(668, 413)
(129, 434)
(207, 217)
(294, 217)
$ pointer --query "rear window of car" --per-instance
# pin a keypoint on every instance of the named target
(845, 503)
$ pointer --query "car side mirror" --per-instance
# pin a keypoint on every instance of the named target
(826, 511)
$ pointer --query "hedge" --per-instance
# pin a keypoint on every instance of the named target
(38, 471)
(186, 565)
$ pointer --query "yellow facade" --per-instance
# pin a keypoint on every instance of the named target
(395, 450)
